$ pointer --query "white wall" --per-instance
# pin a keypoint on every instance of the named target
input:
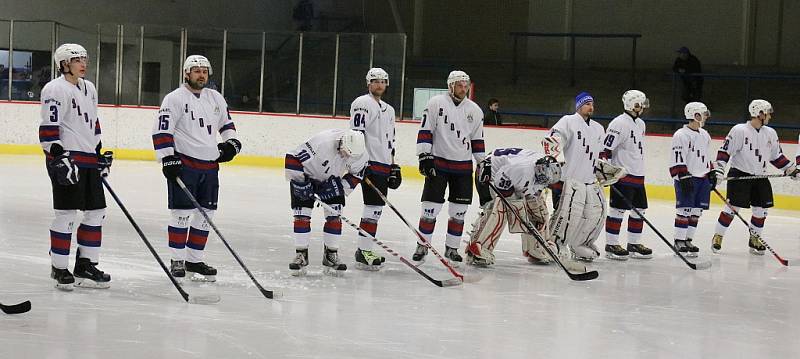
(273, 135)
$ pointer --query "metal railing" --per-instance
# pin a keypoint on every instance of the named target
(318, 73)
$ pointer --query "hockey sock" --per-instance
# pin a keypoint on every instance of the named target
(757, 220)
(427, 220)
(302, 227)
(724, 220)
(681, 223)
(455, 225)
(333, 227)
(613, 224)
(369, 223)
(692, 225)
(198, 236)
(90, 234)
(177, 232)
(61, 237)
(635, 226)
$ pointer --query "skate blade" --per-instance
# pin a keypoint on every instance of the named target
(585, 259)
(641, 256)
(756, 252)
(65, 287)
(204, 299)
(691, 255)
(298, 272)
(197, 277)
(333, 272)
(616, 257)
(88, 283)
(715, 251)
(367, 267)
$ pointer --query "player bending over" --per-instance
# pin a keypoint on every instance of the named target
(520, 176)
(330, 164)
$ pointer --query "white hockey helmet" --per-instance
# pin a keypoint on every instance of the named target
(696, 108)
(757, 107)
(456, 76)
(67, 52)
(635, 98)
(377, 73)
(352, 143)
(197, 61)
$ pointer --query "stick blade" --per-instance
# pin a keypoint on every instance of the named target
(700, 265)
(584, 276)
(272, 294)
(452, 282)
(16, 308)
(204, 299)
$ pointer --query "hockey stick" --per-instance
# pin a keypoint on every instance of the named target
(191, 299)
(574, 276)
(419, 235)
(764, 242)
(445, 283)
(777, 175)
(267, 293)
(16, 308)
(695, 266)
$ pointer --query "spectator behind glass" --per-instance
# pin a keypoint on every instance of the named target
(687, 64)
(492, 117)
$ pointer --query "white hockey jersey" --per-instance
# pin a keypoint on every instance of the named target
(69, 118)
(748, 149)
(514, 170)
(690, 153)
(452, 133)
(581, 143)
(376, 120)
(187, 125)
(319, 159)
(624, 144)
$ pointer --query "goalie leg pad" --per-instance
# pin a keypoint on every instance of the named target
(532, 249)
(567, 218)
(486, 231)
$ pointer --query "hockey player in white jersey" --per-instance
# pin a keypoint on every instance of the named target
(330, 164)
(375, 118)
(450, 136)
(185, 140)
(578, 200)
(693, 178)
(69, 133)
(624, 147)
(747, 148)
(520, 175)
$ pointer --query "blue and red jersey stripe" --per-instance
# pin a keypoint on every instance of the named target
(424, 136)
(163, 140)
(49, 133)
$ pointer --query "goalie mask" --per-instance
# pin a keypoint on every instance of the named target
(547, 171)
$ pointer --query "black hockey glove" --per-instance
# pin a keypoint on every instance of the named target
(714, 177)
(104, 163)
(395, 178)
(228, 149)
(303, 191)
(426, 167)
(171, 167)
(331, 189)
(63, 168)
(686, 184)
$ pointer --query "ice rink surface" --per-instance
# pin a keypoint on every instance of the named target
(744, 306)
